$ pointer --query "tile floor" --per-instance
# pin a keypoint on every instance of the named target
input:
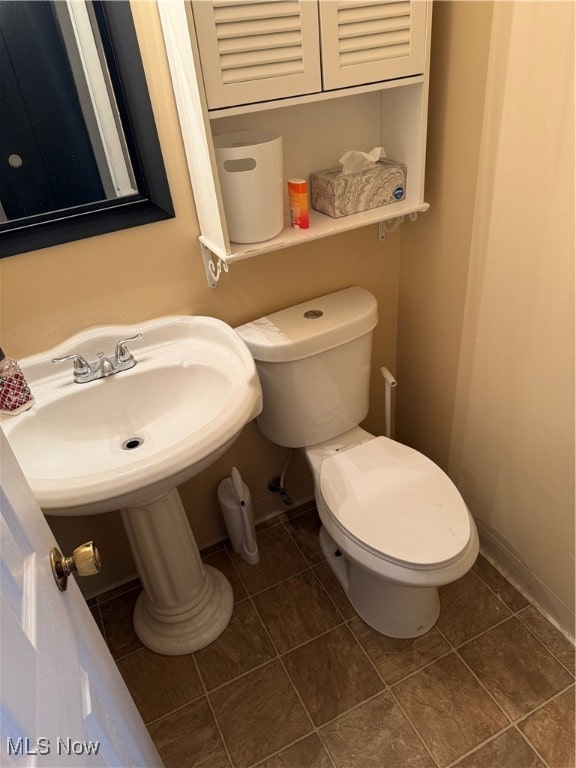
(298, 680)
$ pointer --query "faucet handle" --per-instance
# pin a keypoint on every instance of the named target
(123, 354)
(81, 365)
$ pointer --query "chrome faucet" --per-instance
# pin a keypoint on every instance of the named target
(84, 371)
(105, 366)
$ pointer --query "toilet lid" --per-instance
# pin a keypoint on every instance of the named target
(396, 502)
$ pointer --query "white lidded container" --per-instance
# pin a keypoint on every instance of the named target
(250, 171)
(313, 361)
(236, 506)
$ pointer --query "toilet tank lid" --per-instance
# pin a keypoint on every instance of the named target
(311, 327)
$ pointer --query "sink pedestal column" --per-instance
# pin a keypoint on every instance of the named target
(185, 604)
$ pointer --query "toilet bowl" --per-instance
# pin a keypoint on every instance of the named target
(394, 526)
(394, 529)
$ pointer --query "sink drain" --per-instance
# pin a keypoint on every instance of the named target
(131, 443)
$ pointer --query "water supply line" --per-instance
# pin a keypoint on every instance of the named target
(276, 483)
(389, 384)
(282, 490)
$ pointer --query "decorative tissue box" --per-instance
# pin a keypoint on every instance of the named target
(340, 194)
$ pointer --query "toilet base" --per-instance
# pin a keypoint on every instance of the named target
(392, 609)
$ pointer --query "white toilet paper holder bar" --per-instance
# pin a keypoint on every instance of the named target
(390, 383)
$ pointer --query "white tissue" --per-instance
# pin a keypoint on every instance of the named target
(262, 332)
(354, 161)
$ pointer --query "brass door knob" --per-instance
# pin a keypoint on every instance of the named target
(85, 561)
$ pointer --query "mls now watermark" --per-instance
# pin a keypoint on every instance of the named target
(42, 746)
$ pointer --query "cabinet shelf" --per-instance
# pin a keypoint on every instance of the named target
(320, 226)
(294, 101)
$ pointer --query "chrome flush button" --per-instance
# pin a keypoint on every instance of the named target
(312, 314)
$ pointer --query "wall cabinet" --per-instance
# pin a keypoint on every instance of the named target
(258, 51)
(329, 75)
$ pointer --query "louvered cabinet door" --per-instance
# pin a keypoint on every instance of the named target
(257, 50)
(366, 41)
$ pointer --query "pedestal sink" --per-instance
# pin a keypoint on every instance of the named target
(126, 441)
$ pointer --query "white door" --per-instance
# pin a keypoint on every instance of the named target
(62, 699)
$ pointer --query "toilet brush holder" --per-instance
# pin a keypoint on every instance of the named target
(236, 506)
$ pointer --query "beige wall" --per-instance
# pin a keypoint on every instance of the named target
(481, 285)
(512, 450)
(485, 339)
(435, 250)
(156, 269)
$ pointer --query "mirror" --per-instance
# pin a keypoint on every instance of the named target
(79, 152)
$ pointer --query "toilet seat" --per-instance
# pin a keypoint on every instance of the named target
(396, 503)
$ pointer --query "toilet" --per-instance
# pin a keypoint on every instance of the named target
(394, 526)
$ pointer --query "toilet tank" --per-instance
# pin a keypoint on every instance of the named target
(313, 360)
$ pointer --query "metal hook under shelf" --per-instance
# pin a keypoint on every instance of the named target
(391, 225)
(213, 268)
(215, 264)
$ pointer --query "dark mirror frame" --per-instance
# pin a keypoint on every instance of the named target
(153, 201)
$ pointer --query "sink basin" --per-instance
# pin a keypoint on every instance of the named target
(107, 444)
(126, 441)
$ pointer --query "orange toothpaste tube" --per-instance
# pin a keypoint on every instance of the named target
(298, 201)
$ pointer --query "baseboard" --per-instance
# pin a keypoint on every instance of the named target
(269, 507)
(526, 582)
(112, 587)
(272, 506)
